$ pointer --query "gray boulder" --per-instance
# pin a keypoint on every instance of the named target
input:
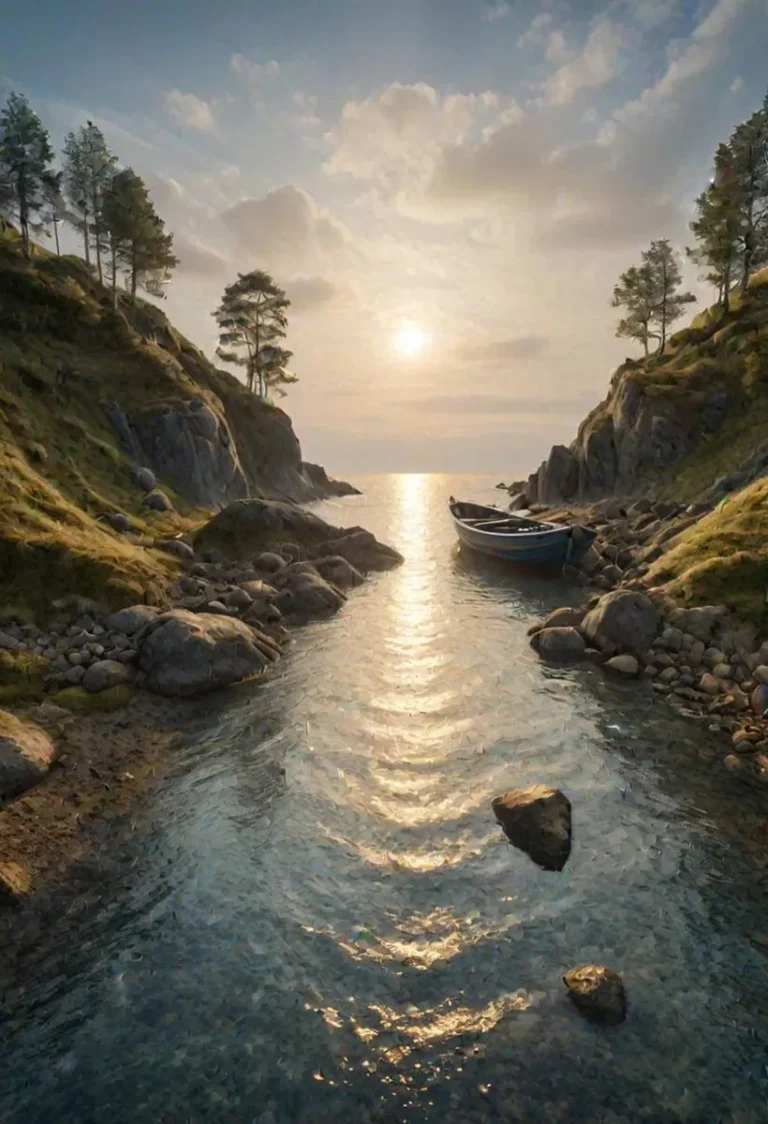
(361, 549)
(307, 595)
(700, 621)
(338, 572)
(537, 820)
(269, 562)
(104, 674)
(157, 501)
(623, 665)
(184, 653)
(759, 700)
(26, 755)
(558, 644)
(175, 546)
(144, 478)
(132, 619)
(565, 618)
(624, 620)
(598, 993)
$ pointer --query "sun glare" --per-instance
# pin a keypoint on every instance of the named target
(410, 340)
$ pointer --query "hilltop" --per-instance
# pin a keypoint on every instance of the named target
(112, 421)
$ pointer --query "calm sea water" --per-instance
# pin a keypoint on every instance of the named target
(316, 919)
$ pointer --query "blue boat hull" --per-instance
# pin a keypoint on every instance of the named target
(527, 542)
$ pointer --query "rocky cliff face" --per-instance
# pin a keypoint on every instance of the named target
(701, 408)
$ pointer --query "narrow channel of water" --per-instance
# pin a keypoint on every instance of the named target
(317, 920)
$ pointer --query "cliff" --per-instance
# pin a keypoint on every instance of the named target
(111, 420)
(689, 423)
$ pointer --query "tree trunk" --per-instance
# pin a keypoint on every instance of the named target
(56, 236)
(21, 190)
(133, 273)
(114, 276)
(97, 230)
(86, 240)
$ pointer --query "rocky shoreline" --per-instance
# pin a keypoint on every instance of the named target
(102, 697)
(705, 660)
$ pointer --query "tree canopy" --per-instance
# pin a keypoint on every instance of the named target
(26, 175)
(650, 294)
(252, 323)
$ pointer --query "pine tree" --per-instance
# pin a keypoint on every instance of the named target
(88, 171)
(666, 277)
(749, 170)
(55, 209)
(135, 235)
(719, 228)
(636, 291)
(275, 371)
(252, 320)
(25, 159)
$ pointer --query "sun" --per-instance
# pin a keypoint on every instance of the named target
(410, 340)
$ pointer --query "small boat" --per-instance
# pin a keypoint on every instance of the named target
(519, 538)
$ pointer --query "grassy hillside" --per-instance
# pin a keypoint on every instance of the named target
(61, 462)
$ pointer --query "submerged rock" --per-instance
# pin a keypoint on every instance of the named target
(624, 665)
(622, 620)
(598, 993)
(565, 618)
(339, 572)
(537, 820)
(184, 653)
(559, 644)
(26, 755)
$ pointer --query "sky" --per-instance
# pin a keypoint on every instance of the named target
(446, 189)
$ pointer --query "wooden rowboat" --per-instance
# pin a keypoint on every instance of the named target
(518, 538)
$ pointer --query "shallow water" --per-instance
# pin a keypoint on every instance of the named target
(316, 918)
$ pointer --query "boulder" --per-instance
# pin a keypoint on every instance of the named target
(751, 768)
(307, 595)
(361, 549)
(624, 620)
(144, 478)
(116, 520)
(598, 993)
(672, 639)
(339, 572)
(132, 619)
(701, 621)
(559, 644)
(157, 501)
(761, 673)
(269, 562)
(564, 618)
(709, 684)
(26, 755)
(104, 674)
(184, 653)
(759, 700)
(537, 820)
(176, 547)
(237, 599)
(624, 665)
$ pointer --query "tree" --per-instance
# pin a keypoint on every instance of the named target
(666, 277)
(55, 209)
(88, 171)
(749, 171)
(252, 321)
(274, 369)
(719, 227)
(135, 235)
(636, 292)
(25, 159)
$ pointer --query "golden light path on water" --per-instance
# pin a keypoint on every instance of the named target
(408, 785)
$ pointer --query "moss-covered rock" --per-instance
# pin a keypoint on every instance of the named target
(21, 676)
(80, 701)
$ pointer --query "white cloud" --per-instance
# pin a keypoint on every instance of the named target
(651, 14)
(737, 84)
(189, 110)
(537, 31)
(497, 11)
(599, 62)
(557, 47)
(307, 294)
(395, 130)
(253, 72)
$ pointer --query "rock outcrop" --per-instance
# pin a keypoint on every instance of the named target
(537, 820)
(598, 992)
(26, 755)
(622, 621)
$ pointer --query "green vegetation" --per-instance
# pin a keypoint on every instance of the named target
(21, 676)
(80, 701)
(650, 294)
(723, 559)
(252, 321)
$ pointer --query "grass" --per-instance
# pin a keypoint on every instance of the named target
(21, 676)
(80, 701)
(723, 559)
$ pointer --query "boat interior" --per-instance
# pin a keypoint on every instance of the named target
(488, 519)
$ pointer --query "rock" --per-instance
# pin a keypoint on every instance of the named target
(738, 641)
(269, 562)
(669, 675)
(74, 675)
(671, 639)
(713, 657)
(11, 643)
(237, 599)
(559, 644)
(622, 620)
(709, 684)
(128, 656)
(75, 658)
(623, 665)
(307, 595)
(752, 769)
(338, 572)
(598, 993)
(640, 507)
(565, 618)
(144, 478)
(157, 501)
(759, 700)
(26, 755)
(592, 562)
(760, 673)
(696, 653)
(361, 549)
(79, 701)
(184, 653)
(176, 547)
(290, 551)
(722, 671)
(537, 820)
(700, 621)
(214, 557)
(104, 674)
(116, 520)
(735, 701)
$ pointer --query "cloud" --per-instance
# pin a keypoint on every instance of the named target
(557, 47)
(498, 351)
(600, 61)
(536, 33)
(737, 84)
(286, 230)
(253, 72)
(651, 14)
(497, 11)
(196, 258)
(394, 130)
(307, 294)
(189, 110)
